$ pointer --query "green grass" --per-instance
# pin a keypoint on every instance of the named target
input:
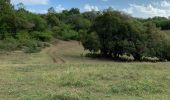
(138, 88)
(37, 77)
(122, 81)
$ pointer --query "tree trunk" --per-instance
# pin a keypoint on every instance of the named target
(137, 57)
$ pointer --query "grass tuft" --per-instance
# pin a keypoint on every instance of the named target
(65, 96)
(137, 88)
(74, 81)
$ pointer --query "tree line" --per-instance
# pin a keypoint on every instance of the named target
(107, 33)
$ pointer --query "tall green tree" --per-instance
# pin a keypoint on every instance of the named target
(51, 18)
(7, 17)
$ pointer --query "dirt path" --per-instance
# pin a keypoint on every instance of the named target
(60, 52)
(60, 48)
(52, 52)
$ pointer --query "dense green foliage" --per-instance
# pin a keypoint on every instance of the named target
(114, 34)
(161, 22)
(29, 30)
(108, 33)
(20, 29)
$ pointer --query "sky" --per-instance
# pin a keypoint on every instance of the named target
(136, 8)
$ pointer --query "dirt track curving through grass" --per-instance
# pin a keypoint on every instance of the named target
(60, 48)
(52, 52)
(60, 52)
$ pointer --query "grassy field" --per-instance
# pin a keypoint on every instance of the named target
(60, 72)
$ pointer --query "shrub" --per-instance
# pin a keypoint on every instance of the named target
(65, 32)
(22, 36)
(150, 59)
(69, 35)
(93, 55)
(41, 36)
(9, 44)
(56, 31)
(31, 46)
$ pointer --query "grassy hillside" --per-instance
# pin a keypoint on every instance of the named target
(61, 73)
(60, 52)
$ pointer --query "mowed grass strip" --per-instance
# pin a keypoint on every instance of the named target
(120, 81)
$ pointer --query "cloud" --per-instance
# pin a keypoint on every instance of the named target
(59, 8)
(88, 7)
(31, 2)
(129, 10)
(161, 8)
(165, 4)
(38, 11)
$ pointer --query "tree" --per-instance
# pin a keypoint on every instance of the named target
(7, 16)
(5, 7)
(21, 7)
(39, 23)
(78, 22)
(158, 43)
(116, 34)
(51, 18)
(136, 38)
(74, 11)
(160, 22)
(91, 42)
(92, 15)
(109, 29)
(51, 10)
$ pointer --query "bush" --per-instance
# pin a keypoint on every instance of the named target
(41, 36)
(22, 36)
(65, 32)
(56, 32)
(9, 44)
(24, 41)
(150, 59)
(31, 46)
(69, 35)
(93, 55)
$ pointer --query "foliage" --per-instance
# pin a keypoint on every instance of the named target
(65, 32)
(91, 42)
(118, 34)
(31, 46)
(161, 22)
(41, 36)
(9, 44)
